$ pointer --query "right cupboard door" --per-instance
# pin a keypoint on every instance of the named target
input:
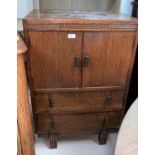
(106, 58)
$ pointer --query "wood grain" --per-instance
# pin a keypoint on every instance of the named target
(70, 99)
(109, 54)
(47, 20)
(50, 52)
(78, 101)
(21, 47)
(84, 121)
(24, 124)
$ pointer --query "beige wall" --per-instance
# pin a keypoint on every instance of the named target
(118, 6)
(23, 8)
(80, 4)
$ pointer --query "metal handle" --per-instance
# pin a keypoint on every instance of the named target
(51, 101)
(52, 124)
(109, 100)
(77, 61)
(85, 61)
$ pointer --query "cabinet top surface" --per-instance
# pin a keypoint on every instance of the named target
(78, 16)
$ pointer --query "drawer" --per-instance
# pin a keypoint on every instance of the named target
(85, 27)
(47, 123)
(78, 101)
(44, 27)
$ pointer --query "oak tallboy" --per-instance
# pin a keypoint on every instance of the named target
(79, 68)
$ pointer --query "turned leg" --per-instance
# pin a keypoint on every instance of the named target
(53, 141)
(103, 136)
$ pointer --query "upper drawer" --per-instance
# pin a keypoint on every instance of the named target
(81, 27)
(99, 27)
(78, 101)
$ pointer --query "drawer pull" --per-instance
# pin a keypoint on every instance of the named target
(51, 102)
(85, 61)
(77, 61)
(52, 124)
(51, 127)
(109, 100)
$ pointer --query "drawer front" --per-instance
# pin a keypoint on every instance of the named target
(83, 121)
(78, 101)
(81, 27)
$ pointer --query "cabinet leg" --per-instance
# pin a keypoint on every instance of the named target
(53, 141)
(39, 135)
(103, 136)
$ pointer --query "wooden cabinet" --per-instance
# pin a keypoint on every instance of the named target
(79, 67)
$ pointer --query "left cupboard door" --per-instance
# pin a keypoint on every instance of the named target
(54, 59)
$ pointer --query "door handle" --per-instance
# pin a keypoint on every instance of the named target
(51, 101)
(77, 61)
(109, 100)
(85, 61)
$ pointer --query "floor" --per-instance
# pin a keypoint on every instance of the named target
(77, 146)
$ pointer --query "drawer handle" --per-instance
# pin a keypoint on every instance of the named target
(109, 100)
(51, 102)
(77, 61)
(85, 61)
(52, 124)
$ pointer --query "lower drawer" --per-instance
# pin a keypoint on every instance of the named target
(47, 123)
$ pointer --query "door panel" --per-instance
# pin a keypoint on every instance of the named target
(52, 59)
(109, 56)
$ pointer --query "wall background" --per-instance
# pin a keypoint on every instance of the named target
(78, 4)
(118, 6)
(24, 7)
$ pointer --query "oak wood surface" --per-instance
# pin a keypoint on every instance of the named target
(130, 68)
(78, 101)
(84, 121)
(51, 52)
(82, 89)
(77, 16)
(109, 58)
(21, 47)
(76, 83)
(25, 137)
(47, 20)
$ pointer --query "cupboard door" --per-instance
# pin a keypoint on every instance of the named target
(106, 58)
(52, 59)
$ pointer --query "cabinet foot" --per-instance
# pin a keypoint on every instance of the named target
(103, 136)
(53, 141)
